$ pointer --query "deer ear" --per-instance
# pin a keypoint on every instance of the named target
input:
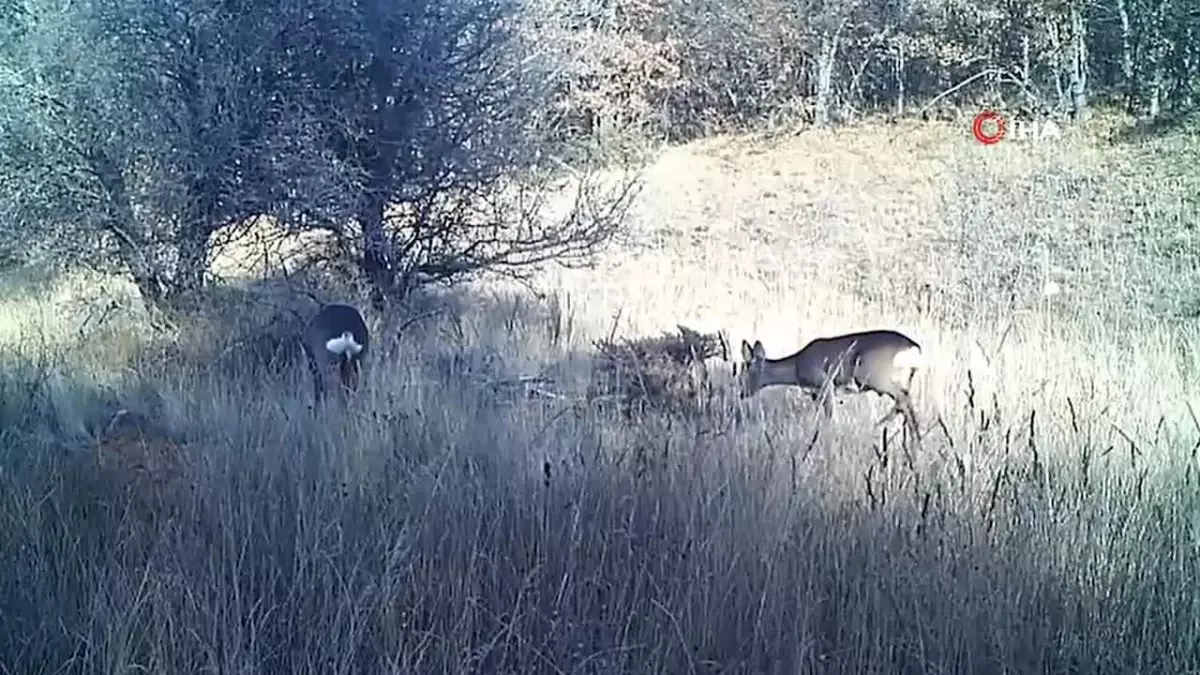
(760, 352)
(747, 352)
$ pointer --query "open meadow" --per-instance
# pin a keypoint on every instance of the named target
(472, 511)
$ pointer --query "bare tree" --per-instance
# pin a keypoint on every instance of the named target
(140, 127)
(430, 103)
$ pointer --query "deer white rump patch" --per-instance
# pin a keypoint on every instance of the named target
(343, 345)
(909, 358)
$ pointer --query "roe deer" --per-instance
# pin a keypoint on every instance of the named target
(336, 336)
(881, 361)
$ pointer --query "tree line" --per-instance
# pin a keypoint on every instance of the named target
(426, 137)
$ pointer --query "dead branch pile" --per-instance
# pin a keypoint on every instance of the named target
(666, 373)
(140, 459)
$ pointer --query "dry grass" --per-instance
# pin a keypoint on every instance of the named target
(1047, 524)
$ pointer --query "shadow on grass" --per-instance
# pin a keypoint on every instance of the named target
(435, 526)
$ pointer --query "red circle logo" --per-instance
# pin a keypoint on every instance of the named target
(983, 118)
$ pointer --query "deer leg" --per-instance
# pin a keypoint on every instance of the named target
(350, 374)
(314, 369)
(902, 406)
(824, 396)
(891, 414)
(910, 417)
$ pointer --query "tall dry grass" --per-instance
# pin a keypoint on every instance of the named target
(449, 522)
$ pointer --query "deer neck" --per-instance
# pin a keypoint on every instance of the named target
(779, 373)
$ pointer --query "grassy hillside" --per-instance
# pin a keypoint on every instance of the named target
(450, 522)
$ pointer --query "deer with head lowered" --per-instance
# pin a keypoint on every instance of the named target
(882, 361)
(336, 338)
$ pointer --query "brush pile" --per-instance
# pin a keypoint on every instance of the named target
(666, 373)
(147, 465)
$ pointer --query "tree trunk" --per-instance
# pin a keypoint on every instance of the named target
(131, 247)
(1157, 57)
(1128, 84)
(192, 263)
(378, 156)
(191, 241)
(826, 61)
(1060, 62)
(1079, 63)
(898, 72)
(1026, 66)
(376, 245)
(1186, 70)
(1154, 98)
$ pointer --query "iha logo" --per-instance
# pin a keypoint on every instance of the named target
(991, 127)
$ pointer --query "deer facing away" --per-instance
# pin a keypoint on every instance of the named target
(336, 338)
(881, 361)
